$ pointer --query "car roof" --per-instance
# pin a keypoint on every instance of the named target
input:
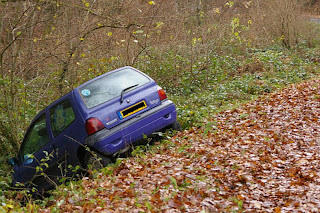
(108, 73)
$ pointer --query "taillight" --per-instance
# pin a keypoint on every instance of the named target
(93, 125)
(162, 94)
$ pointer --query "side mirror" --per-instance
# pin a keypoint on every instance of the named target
(13, 161)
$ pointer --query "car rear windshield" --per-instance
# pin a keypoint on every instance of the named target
(111, 86)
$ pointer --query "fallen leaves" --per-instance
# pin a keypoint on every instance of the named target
(261, 157)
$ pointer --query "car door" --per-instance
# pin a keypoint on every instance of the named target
(65, 133)
(46, 148)
(37, 154)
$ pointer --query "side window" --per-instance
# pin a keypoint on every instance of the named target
(36, 138)
(61, 116)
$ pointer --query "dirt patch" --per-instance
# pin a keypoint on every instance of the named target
(252, 68)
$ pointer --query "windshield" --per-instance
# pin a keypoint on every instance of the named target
(110, 86)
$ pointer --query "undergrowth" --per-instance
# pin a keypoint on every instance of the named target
(201, 78)
(220, 82)
(225, 83)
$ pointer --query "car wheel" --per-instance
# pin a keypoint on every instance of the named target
(175, 126)
(96, 160)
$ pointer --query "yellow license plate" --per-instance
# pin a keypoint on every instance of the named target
(132, 109)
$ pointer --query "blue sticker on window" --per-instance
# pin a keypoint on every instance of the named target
(85, 92)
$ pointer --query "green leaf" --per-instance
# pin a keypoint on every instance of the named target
(148, 205)
(174, 182)
(159, 24)
(139, 31)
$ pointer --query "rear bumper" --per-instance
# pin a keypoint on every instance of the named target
(113, 140)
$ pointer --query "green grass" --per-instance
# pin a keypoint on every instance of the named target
(226, 90)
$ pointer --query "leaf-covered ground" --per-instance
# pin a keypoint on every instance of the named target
(261, 157)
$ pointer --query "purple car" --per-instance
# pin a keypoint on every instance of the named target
(102, 117)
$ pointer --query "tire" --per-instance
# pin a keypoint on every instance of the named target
(96, 160)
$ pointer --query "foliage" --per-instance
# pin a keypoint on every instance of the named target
(46, 50)
(259, 156)
(209, 56)
(227, 81)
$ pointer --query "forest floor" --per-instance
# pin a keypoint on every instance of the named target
(261, 157)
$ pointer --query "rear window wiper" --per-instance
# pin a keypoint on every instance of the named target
(124, 90)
